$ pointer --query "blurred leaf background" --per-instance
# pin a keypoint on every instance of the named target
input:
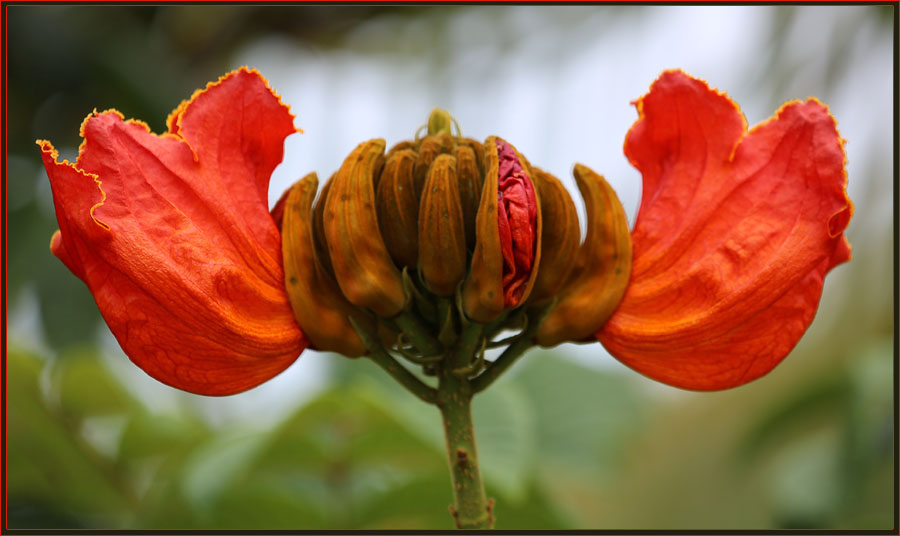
(570, 439)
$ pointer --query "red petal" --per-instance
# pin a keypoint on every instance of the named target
(734, 236)
(173, 237)
(517, 213)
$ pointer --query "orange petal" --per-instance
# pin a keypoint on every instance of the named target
(734, 236)
(172, 235)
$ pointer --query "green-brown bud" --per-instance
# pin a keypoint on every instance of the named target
(398, 207)
(439, 121)
(560, 237)
(319, 226)
(602, 269)
(442, 244)
(428, 151)
(362, 266)
(321, 310)
(470, 179)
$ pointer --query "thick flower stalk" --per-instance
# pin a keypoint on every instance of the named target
(422, 256)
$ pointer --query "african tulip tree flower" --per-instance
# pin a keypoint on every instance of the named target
(429, 251)
(173, 236)
(733, 238)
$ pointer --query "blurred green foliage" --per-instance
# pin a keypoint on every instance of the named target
(95, 457)
(364, 454)
(562, 445)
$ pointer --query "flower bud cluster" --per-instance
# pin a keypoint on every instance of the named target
(444, 231)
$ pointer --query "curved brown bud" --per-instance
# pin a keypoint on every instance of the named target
(602, 269)
(483, 289)
(319, 307)
(429, 149)
(362, 266)
(319, 226)
(470, 182)
(477, 150)
(507, 236)
(401, 146)
(398, 208)
(442, 249)
(560, 237)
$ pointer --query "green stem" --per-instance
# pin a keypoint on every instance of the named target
(453, 397)
(523, 343)
(506, 359)
(472, 510)
(469, 343)
(417, 333)
(403, 376)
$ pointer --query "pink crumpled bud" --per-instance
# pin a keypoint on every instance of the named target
(517, 213)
